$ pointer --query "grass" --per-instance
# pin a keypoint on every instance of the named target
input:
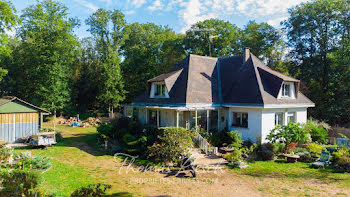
(69, 158)
(299, 170)
(298, 176)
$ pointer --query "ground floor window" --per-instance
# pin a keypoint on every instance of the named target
(202, 119)
(152, 117)
(290, 117)
(213, 117)
(279, 118)
(135, 113)
(240, 119)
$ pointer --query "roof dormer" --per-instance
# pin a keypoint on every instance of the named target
(159, 90)
(287, 91)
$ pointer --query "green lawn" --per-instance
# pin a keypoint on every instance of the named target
(299, 170)
(69, 158)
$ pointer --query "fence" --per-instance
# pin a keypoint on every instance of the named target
(339, 141)
(201, 142)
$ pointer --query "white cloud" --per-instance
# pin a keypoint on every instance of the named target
(129, 12)
(192, 11)
(156, 5)
(276, 21)
(87, 4)
(138, 3)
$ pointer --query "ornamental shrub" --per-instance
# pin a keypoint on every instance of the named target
(292, 132)
(236, 139)
(266, 152)
(317, 131)
(315, 149)
(93, 190)
(20, 183)
(171, 144)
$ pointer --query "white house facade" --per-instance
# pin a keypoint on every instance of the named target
(238, 93)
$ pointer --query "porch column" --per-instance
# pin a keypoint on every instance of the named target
(218, 120)
(196, 120)
(146, 115)
(285, 117)
(208, 120)
(177, 118)
(157, 118)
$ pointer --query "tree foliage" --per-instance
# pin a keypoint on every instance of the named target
(106, 28)
(149, 50)
(8, 19)
(43, 58)
(319, 38)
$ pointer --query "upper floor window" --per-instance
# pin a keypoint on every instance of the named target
(160, 90)
(286, 90)
(240, 119)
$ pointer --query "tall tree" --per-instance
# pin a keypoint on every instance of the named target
(107, 28)
(264, 41)
(149, 50)
(8, 19)
(318, 36)
(43, 58)
(213, 37)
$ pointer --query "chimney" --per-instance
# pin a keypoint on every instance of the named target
(246, 54)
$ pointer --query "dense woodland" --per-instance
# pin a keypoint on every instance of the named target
(47, 64)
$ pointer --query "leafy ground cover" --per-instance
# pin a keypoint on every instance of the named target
(77, 161)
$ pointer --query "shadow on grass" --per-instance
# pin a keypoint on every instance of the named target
(120, 194)
(84, 142)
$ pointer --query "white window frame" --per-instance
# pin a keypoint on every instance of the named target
(284, 90)
(291, 114)
(276, 118)
(241, 119)
(154, 89)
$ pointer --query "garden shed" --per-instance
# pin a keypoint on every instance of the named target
(19, 118)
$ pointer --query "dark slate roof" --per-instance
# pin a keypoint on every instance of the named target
(199, 79)
(7, 99)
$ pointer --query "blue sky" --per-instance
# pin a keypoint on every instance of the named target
(179, 14)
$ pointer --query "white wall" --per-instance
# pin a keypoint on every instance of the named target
(268, 118)
(254, 123)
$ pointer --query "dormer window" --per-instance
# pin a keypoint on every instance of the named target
(159, 90)
(286, 90)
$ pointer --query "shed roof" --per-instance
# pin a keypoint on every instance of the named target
(7, 99)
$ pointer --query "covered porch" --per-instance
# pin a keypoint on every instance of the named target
(211, 119)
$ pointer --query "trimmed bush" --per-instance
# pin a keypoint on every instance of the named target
(266, 152)
(171, 144)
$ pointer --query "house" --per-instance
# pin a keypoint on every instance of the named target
(19, 118)
(238, 92)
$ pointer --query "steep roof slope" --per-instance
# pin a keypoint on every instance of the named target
(193, 80)
(199, 79)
